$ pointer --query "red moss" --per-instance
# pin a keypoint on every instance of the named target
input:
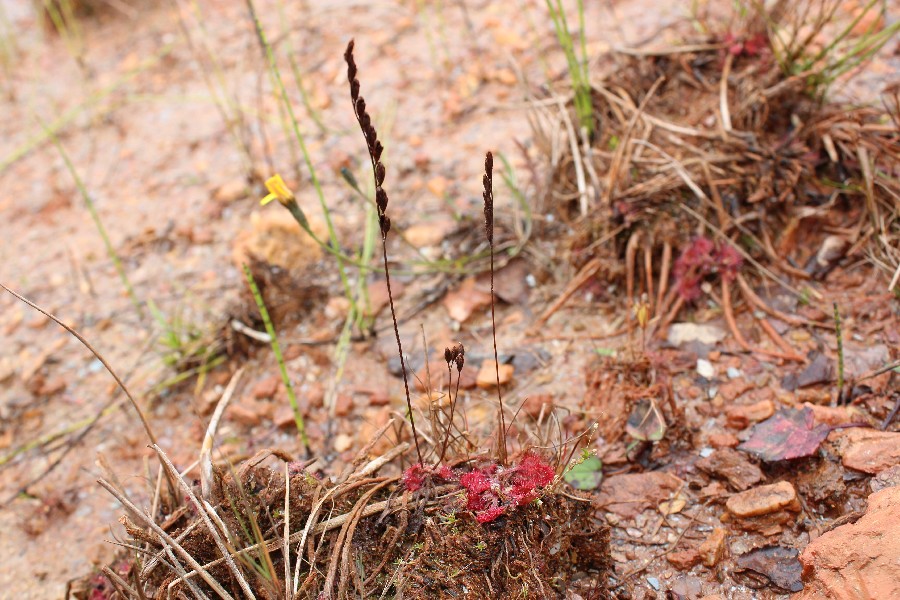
(703, 260)
(492, 489)
(414, 477)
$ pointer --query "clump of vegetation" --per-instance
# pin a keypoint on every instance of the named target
(451, 524)
(726, 139)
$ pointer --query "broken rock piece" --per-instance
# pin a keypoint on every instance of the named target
(763, 500)
(712, 550)
(733, 466)
(857, 560)
(627, 495)
(867, 450)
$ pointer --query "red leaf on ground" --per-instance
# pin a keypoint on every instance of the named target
(789, 433)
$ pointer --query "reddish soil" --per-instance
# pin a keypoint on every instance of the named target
(444, 84)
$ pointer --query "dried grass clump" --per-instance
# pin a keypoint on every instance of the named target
(490, 525)
(726, 136)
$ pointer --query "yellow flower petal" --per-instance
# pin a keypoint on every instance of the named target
(279, 189)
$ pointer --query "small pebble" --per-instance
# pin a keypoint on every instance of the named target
(733, 373)
(705, 368)
(654, 583)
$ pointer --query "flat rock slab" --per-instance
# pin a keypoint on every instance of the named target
(867, 450)
(628, 495)
(857, 560)
(732, 466)
(763, 500)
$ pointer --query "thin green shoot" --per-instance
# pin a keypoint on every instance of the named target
(185, 347)
(276, 350)
(524, 220)
(840, 350)
(89, 203)
(9, 49)
(246, 517)
(54, 127)
(578, 69)
(332, 235)
(66, 25)
(224, 103)
(298, 77)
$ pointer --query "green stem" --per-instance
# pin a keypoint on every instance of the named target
(276, 349)
(89, 202)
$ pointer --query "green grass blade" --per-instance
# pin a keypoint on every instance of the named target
(276, 349)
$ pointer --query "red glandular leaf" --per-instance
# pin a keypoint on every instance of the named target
(789, 433)
(414, 476)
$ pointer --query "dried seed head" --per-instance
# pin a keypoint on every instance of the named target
(460, 361)
(351, 63)
(489, 197)
(448, 356)
(377, 150)
(385, 223)
(381, 199)
(379, 174)
(354, 89)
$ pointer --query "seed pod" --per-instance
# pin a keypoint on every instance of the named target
(381, 199)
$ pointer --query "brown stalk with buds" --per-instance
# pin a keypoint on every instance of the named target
(381, 201)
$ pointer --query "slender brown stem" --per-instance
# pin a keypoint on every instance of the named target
(102, 360)
(381, 201)
(446, 440)
(489, 230)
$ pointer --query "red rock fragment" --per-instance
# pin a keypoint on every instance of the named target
(683, 560)
(723, 440)
(712, 550)
(740, 417)
(266, 388)
(857, 560)
(763, 500)
(867, 450)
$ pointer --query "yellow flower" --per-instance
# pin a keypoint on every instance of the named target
(642, 311)
(278, 190)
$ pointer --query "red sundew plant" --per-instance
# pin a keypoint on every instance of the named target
(414, 477)
(751, 46)
(492, 489)
(701, 260)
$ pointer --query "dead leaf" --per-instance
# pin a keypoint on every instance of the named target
(789, 433)
(629, 494)
(779, 565)
(820, 370)
(646, 423)
(732, 466)
(673, 506)
(487, 375)
(511, 282)
(465, 300)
